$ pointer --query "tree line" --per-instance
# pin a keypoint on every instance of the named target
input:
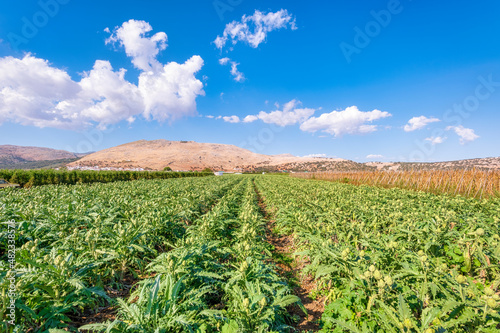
(29, 178)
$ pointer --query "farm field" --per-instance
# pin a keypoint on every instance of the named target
(473, 183)
(200, 255)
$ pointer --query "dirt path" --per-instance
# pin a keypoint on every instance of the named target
(291, 268)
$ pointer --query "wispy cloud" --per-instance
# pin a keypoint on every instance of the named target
(237, 75)
(316, 155)
(253, 29)
(436, 140)
(348, 121)
(416, 123)
(231, 119)
(465, 134)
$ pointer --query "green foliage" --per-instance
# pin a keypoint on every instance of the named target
(384, 260)
(391, 260)
(195, 246)
(30, 178)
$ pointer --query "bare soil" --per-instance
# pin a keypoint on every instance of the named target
(291, 268)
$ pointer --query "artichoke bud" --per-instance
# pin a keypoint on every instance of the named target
(377, 275)
(263, 302)
(243, 266)
(388, 280)
(246, 303)
(489, 291)
(372, 268)
(491, 303)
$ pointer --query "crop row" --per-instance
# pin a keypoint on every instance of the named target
(195, 249)
(391, 260)
(214, 279)
(29, 178)
(75, 244)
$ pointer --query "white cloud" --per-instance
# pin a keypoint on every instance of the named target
(231, 119)
(250, 119)
(143, 50)
(171, 93)
(253, 29)
(348, 121)
(224, 60)
(373, 156)
(416, 123)
(465, 134)
(209, 116)
(436, 140)
(34, 93)
(237, 75)
(290, 115)
(316, 155)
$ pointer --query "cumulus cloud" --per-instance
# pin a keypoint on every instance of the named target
(253, 29)
(373, 156)
(416, 123)
(33, 92)
(436, 140)
(171, 93)
(231, 119)
(143, 50)
(465, 134)
(291, 114)
(348, 121)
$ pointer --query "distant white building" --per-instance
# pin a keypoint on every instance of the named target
(218, 173)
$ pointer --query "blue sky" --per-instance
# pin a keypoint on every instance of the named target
(378, 80)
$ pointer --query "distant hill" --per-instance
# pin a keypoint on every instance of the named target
(478, 163)
(21, 157)
(190, 155)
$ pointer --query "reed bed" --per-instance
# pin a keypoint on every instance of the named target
(473, 182)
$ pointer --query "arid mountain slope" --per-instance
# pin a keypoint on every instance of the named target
(190, 155)
(478, 163)
(11, 155)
